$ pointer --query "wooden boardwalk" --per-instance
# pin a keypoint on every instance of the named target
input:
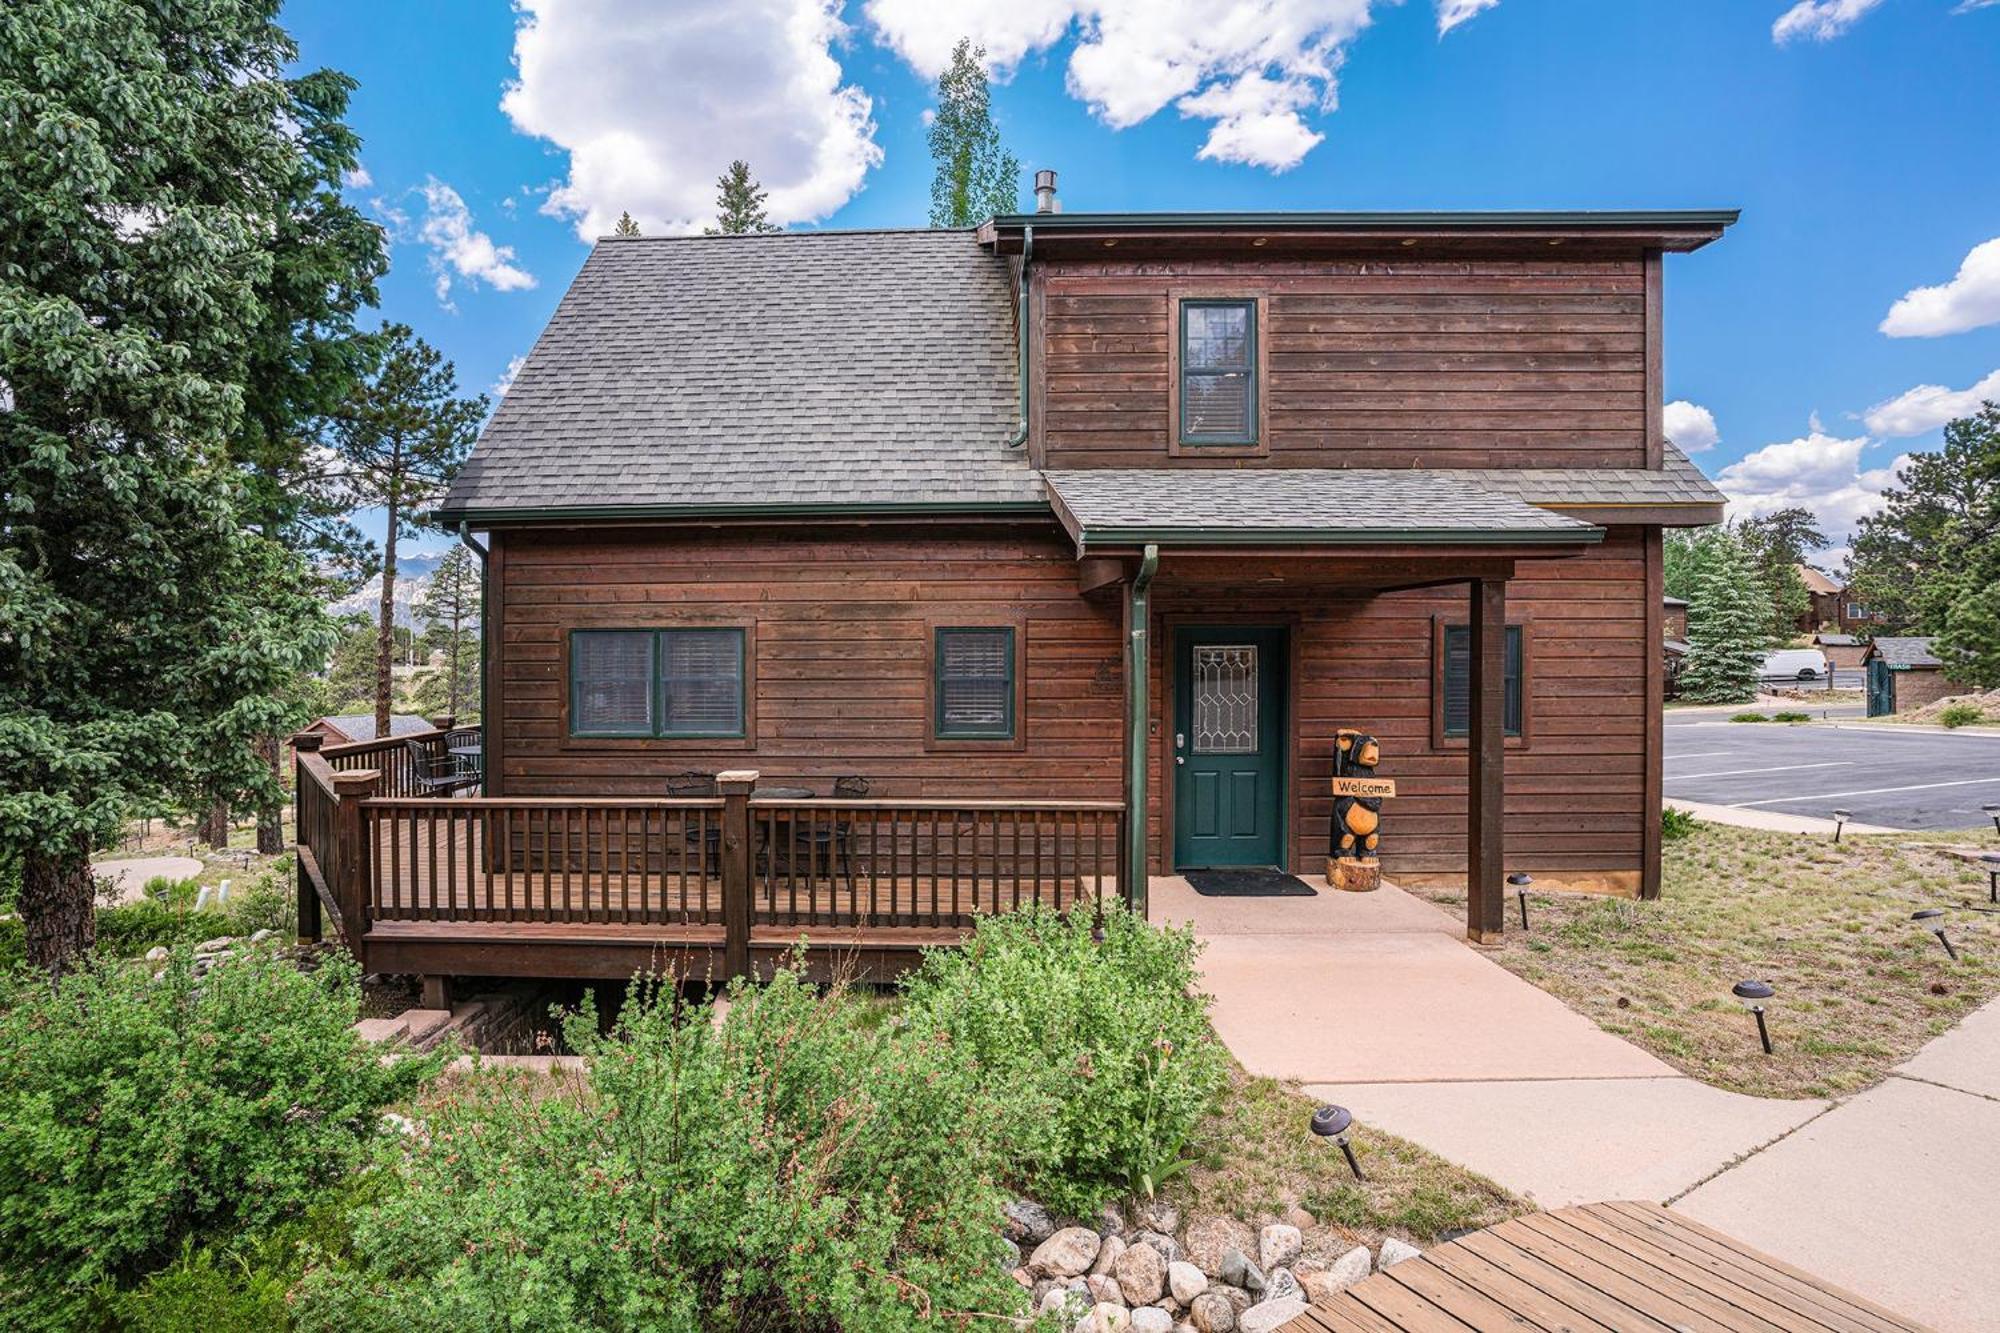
(1601, 1268)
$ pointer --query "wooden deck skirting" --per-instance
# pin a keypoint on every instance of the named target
(603, 887)
(1604, 1266)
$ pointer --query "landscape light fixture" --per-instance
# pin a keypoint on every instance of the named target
(1521, 883)
(1993, 813)
(1753, 994)
(1840, 818)
(1992, 860)
(1932, 919)
(1333, 1122)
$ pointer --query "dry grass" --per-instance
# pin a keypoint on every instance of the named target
(1859, 988)
(1255, 1157)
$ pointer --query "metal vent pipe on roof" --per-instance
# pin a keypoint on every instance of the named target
(1045, 192)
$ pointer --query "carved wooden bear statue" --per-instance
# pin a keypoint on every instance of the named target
(1357, 820)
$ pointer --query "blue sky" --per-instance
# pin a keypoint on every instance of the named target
(1857, 136)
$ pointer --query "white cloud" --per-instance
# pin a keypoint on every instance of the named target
(1819, 20)
(1929, 406)
(652, 102)
(1691, 426)
(357, 179)
(457, 247)
(1256, 68)
(1970, 300)
(1818, 471)
(506, 380)
(1451, 13)
(1967, 6)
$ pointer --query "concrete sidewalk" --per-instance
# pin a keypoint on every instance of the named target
(1376, 1002)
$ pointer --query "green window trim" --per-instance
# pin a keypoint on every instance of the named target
(960, 689)
(1191, 368)
(1457, 703)
(674, 685)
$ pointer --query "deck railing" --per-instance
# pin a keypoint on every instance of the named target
(726, 864)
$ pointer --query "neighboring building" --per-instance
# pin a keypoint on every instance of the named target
(1904, 674)
(1829, 605)
(1675, 614)
(345, 728)
(1842, 650)
(1079, 512)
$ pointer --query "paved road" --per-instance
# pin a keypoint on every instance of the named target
(1909, 780)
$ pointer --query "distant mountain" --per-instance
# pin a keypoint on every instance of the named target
(413, 580)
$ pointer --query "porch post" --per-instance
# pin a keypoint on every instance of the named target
(734, 787)
(355, 889)
(305, 742)
(1485, 779)
(1138, 717)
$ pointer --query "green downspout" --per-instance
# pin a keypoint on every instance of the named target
(464, 535)
(1138, 678)
(1021, 327)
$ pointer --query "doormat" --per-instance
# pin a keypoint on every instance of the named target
(1248, 882)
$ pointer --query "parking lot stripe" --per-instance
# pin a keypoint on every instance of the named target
(1781, 768)
(1865, 791)
(1705, 754)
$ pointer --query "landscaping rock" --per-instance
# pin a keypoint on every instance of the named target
(1270, 1316)
(1239, 1299)
(1157, 1215)
(1067, 1253)
(1169, 1249)
(1300, 1218)
(1141, 1274)
(1103, 1289)
(1061, 1301)
(1211, 1312)
(1341, 1274)
(1238, 1271)
(1110, 1222)
(260, 936)
(1210, 1238)
(157, 954)
(1010, 1253)
(1279, 1244)
(1028, 1283)
(1028, 1222)
(1152, 1319)
(1186, 1281)
(1282, 1284)
(1105, 1319)
(216, 945)
(1394, 1252)
(1107, 1254)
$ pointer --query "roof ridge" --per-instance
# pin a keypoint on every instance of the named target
(786, 233)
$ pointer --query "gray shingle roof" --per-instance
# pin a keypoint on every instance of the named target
(361, 726)
(1317, 506)
(1905, 652)
(827, 369)
(1678, 482)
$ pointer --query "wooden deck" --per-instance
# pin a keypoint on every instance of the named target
(1602, 1268)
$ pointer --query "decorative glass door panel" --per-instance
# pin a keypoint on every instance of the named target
(1229, 744)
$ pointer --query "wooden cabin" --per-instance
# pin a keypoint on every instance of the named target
(1064, 546)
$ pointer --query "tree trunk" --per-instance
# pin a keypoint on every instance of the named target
(58, 908)
(271, 820)
(385, 629)
(215, 826)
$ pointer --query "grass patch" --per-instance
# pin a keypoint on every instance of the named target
(1791, 717)
(1254, 1157)
(1859, 989)
(1749, 717)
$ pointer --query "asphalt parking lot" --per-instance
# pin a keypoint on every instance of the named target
(1898, 779)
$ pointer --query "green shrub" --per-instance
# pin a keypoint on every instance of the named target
(166, 891)
(1749, 717)
(1102, 1051)
(1791, 717)
(143, 1110)
(129, 930)
(790, 1168)
(1677, 824)
(1960, 714)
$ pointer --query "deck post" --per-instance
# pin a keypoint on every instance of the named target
(735, 788)
(1485, 778)
(350, 788)
(310, 927)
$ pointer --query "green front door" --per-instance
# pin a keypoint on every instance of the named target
(1229, 747)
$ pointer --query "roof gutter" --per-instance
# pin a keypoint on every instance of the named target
(1138, 710)
(1020, 436)
(465, 535)
(1581, 535)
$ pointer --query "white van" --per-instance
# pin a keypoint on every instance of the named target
(1794, 664)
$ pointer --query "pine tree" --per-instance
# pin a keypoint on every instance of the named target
(400, 439)
(625, 226)
(147, 631)
(739, 203)
(1729, 616)
(975, 176)
(451, 606)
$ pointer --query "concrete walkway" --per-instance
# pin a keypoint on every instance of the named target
(133, 873)
(1375, 1001)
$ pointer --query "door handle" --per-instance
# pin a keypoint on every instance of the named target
(1180, 759)
(1180, 741)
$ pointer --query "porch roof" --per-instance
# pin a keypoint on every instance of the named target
(1298, 507)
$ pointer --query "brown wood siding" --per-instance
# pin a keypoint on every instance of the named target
(842, 664)
(1384, 362)
(1576, 784)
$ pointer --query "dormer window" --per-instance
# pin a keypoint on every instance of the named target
(1218, 372)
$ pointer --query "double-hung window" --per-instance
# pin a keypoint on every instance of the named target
(664, 684)
(1457, 702)
(1218, 372)
(975, 683)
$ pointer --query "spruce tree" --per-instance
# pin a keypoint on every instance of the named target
(451, 606)
(625, 226)
(975, 177)
(739, 203)
(1729, 617)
